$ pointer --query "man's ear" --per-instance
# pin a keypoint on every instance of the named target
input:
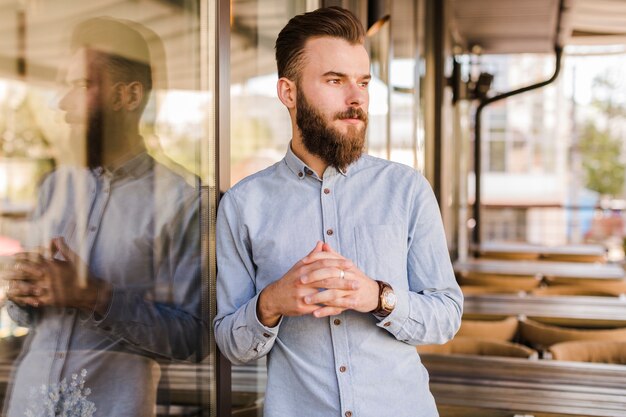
(135, 94)
(119, 96)
(286, 90)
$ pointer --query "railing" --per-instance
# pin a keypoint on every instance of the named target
(554, 224)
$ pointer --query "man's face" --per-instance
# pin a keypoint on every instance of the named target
(332, 100)
(86, 103)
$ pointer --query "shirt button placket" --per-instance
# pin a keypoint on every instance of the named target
(328, 211)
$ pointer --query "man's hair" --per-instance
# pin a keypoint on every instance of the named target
(119, 47)
(332, 22)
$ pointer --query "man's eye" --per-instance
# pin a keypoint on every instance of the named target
(364, 84)
(334, 81)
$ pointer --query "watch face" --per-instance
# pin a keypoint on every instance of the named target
(390, 299)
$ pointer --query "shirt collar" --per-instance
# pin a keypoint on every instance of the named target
(135, 167)
(302, 170)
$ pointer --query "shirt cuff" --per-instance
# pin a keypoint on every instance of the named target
(100, 320)
(395, 321)
(263, 337)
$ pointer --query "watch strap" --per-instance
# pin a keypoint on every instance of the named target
(381, 311)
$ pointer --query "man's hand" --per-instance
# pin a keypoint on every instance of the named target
(58, 283)
(286, 297)
(362, 295)
(19, 280)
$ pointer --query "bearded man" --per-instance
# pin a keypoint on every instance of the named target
(332, 262)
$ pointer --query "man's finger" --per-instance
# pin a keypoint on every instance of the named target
(327, 311)
(327, 248)
(58, 245)
(322, 255)
(327, 297)
(323, 269)
(24, 270)
(33, 256)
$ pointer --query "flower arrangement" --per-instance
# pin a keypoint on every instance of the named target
(62, 399)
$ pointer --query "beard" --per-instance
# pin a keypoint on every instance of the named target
(95, 139)
(86, 139)
(336, 149)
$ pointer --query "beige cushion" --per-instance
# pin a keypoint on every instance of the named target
(574, 290)
(614, 285)
(503, 330)
(544, 335)
(514, 282)
(487, 289)
(586, 351)
(565, 257)
(472, 346)
(513, 256)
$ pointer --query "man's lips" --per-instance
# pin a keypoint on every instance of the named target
(352, 120)
(74, 120)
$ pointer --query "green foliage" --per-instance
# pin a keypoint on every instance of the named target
(604, 171)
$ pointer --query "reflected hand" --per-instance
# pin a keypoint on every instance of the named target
(21, 278)
(59, 283)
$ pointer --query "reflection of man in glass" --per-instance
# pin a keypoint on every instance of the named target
(119, 286)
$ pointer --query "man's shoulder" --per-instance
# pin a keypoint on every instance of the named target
(257, 181)
(393, 171)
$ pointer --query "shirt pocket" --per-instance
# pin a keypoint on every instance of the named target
(381, 252)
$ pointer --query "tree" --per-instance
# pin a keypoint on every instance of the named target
(604, 171)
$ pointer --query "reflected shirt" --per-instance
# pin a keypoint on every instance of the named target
(384, 217)
(137, 228)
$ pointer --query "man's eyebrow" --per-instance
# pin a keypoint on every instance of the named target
(342, 75)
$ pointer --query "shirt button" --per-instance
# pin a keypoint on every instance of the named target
(342, 369)
(329, 232)
(387, 324)
(60, 355)
(326, 190)
(267, 335)
(337, 322)
(92, 228)
(300, 174)
(348, 413)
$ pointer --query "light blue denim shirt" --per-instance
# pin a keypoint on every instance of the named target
(384, 217)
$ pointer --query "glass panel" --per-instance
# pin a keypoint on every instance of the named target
(260, 131)
(104, 107)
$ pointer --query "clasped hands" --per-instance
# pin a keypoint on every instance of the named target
(314, 285)
(37, 280)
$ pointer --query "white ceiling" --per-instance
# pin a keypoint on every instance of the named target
(517, 26)
(497, 26)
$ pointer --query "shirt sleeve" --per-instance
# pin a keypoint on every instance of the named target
(430, 311)
(239, 334)
(165, 320)
(23, 316)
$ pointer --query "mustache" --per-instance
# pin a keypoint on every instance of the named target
(352, 113)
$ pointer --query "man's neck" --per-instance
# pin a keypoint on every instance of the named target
(115, 158)
(312, 161)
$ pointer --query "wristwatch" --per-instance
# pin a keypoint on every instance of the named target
(386, 299)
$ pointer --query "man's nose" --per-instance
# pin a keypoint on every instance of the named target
(357, 95)
(60, 100)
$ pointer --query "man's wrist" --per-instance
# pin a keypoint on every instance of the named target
(97, 297)
(264, 311)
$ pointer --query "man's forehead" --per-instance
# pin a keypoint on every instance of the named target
(76, 67)
(327, 54)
